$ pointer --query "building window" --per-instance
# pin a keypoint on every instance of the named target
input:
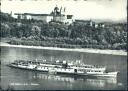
(69, 16)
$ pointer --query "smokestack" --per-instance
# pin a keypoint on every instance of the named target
(64, 9)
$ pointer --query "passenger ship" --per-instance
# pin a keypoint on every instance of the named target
(63, 67)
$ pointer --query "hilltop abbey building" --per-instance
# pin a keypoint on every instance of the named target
(57, 15)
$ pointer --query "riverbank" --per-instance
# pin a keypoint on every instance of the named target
(88, 50)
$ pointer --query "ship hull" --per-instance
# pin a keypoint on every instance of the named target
(109, 74)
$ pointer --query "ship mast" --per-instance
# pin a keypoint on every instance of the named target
(82, 57)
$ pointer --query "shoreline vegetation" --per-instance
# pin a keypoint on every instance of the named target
(80, 35)
(87, 50)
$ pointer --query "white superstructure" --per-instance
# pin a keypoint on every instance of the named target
(65, 68)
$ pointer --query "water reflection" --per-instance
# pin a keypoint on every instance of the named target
(53, 77)
(95, 82)
(61, 82)
(101, 82)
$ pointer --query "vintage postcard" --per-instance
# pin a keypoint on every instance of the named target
(63, 45)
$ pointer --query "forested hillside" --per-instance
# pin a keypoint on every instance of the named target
(76, 35)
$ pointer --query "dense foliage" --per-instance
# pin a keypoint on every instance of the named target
(80, 35)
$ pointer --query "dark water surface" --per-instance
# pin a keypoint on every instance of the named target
(18, 79)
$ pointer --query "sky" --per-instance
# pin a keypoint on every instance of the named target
(115, 10)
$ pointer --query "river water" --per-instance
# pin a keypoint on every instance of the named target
(19, 79)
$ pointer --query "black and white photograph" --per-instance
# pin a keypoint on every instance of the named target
(63, 45)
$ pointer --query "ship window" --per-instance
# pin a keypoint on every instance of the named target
(86, 66)
(75, 70)
(81, 70)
